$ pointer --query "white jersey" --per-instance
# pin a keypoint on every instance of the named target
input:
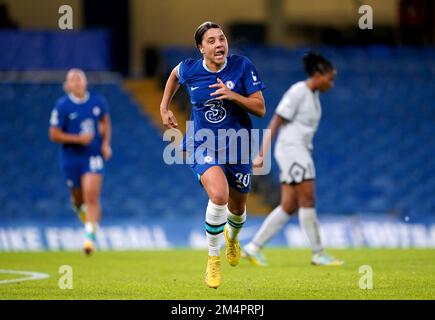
(301, 108)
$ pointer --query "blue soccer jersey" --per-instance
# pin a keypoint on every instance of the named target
(79, 117)
(238, 74)
(212, 114)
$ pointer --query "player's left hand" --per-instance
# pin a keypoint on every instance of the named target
(258, 162)
(223, 92)
(107, 151)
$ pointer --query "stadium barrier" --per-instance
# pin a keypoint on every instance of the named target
(337, 232)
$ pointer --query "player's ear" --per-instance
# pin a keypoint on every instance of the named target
(317, 75)
(201, 49)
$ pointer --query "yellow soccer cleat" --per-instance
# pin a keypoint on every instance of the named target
(232, 249)
(88, 247)
(213, 273)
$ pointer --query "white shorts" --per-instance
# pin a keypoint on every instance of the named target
(295, 163)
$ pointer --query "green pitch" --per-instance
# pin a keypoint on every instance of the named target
(179, 274)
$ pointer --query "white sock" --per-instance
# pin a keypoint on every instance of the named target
(91, 230)
(270, 227)
(235, 223)
(308, 222)
(215, 220)
(83, 208)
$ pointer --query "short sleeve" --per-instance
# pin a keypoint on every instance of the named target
(183, 70)
(178, 68)
(104, 106)
(58, 116)
(288, 105)
(251, 79)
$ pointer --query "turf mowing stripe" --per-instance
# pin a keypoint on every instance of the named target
(31, 276)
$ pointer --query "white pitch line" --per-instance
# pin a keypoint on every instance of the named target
(31, 276)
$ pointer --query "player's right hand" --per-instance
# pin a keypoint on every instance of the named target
(258, 162)
(86, 138)
(169, 120)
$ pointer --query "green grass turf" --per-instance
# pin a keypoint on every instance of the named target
(179, 274)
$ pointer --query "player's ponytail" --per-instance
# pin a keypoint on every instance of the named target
(315, 62)
(203, 28)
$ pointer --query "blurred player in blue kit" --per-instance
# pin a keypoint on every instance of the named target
(80, 122)
(224, 89)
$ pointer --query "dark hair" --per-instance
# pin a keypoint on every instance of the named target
(203, 28)
(315, 62)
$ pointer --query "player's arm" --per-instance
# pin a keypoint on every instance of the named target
(268, 137)
(171, 87)
(254, 103)
(270, 134)
(284, 112)
(106, 133)
(58, 136)
(56, 133)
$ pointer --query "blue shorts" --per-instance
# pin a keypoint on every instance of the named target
(75, 168)
(238, 175)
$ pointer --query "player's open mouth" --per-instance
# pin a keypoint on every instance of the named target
(219, 53)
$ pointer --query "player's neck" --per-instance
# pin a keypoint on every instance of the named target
(213, 67)
(79, 98)
(310, 84)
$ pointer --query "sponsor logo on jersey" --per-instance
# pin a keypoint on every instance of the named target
(217, 112)
(87, 126)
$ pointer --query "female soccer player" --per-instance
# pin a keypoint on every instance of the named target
(223, 89)
(80, 122)
(297, 116)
